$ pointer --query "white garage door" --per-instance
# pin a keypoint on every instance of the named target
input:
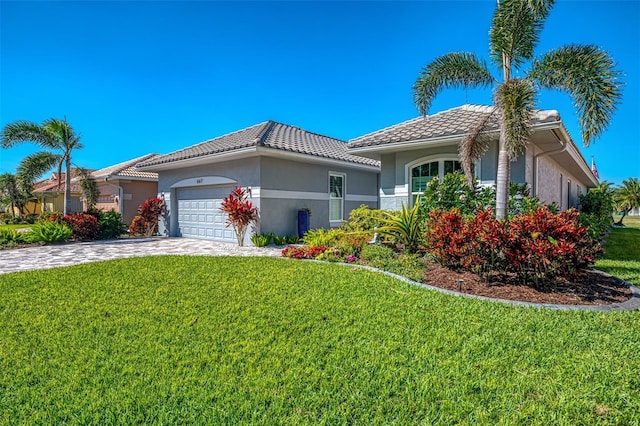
(201, 217)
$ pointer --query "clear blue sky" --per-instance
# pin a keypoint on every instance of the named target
(156, 76)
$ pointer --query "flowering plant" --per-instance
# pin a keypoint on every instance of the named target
(240, 212)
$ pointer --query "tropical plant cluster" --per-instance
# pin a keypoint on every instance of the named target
(145, 223)
(52, 227)
(454, 225)
(537, 247)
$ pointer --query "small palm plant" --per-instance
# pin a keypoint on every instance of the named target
(406, 225)
(627, 197)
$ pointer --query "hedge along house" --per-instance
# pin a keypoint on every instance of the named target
(415, 151)
(123, 187)
(284, 169)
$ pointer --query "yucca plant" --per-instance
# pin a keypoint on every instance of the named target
(405, 225)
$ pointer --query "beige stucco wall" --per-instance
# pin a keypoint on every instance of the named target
(135, 192)
(556, 185)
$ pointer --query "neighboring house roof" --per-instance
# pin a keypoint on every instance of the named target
(268, 135)
(128, 170)
(454, 122)
(55, 183)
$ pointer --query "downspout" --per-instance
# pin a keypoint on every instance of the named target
(544, 154)
(120, 194)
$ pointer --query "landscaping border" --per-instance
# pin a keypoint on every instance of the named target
(633, 304)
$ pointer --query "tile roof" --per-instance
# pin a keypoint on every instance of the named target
(268, 134)
(51, 184)
(128, 169)
(453, 122)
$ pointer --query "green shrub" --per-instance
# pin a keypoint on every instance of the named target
(11, 237)
(385, 258)
(111, 225)
(261, 240)
(364, 219)
(48, 232)
(322, 237)
(449, 193)
(596, 210)
(279, 241)
(31, 218)
(376, 255)
(292, 239)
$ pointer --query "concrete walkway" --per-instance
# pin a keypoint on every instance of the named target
(51, 256)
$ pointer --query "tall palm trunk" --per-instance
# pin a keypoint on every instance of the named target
(502, 179)
(67, 186)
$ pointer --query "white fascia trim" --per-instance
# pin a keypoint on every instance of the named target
(572, 148)
(308, 158)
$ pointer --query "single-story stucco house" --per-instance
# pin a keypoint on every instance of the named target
(123, 187)
(413, 152)
(49, 195)
(284, 168)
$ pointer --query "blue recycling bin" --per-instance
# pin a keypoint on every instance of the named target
(303, 222)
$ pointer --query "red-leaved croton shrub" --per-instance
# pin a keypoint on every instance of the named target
(543, 245)
(146, 222)
(240, 212)
(303, 252)
(85, 226)
(535, 246)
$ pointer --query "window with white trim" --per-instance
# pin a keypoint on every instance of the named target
(422, 174)
(336, 196)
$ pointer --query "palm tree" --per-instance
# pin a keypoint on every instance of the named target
(11, 194)
(53, 134)
(584, 71)
(627, 197)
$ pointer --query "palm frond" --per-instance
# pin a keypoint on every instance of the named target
(587, 73)
(26, 131)
(515, 100)
(453, 70)
(64, 133)
(32, 167)
(474, 145)
(515, 31)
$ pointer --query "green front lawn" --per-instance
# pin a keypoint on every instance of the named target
(622, 252)
(171, 340)
(14, 226)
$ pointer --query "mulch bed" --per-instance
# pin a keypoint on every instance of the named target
(593, 288)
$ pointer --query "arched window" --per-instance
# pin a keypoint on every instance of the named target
(421, 174)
